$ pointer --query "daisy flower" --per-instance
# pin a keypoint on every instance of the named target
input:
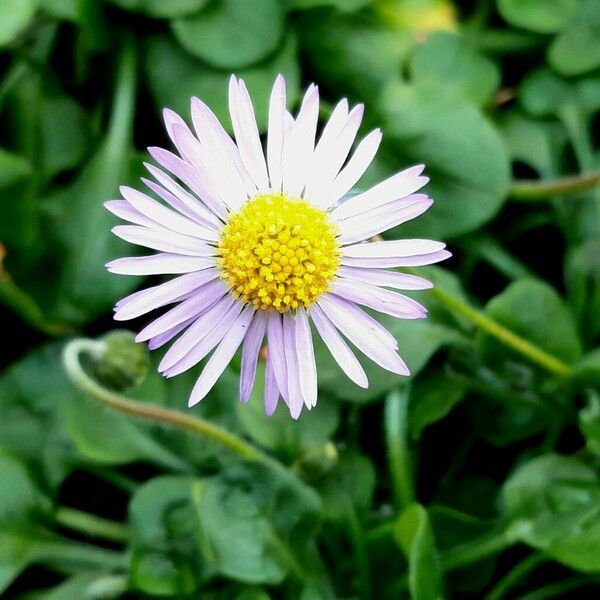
(264, 244)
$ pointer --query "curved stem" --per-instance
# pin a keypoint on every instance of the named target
(149, 412)
(91, 525)
(515, 575)
(505, 336)
(529, 191)
(396, 426)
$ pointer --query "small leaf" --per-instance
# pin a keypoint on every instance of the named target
(412, 532)
(548, 16)
(14, 17)
(161, 9)
(232, 34)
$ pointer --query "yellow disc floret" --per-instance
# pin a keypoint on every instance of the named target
(278, 253)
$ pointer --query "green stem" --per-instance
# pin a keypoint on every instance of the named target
(557, 589)
(78, 556)
(148, 411)
(502, 334)
(530, 191)
(396, 427)
(361, 555)
(91, 525)
(515, 575)
(478, 549)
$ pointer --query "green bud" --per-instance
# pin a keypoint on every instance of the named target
(316, 460)
(120, 362)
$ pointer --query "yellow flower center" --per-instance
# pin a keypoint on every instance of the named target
(278, 253)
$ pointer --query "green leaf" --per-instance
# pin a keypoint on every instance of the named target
(13, 168)
(548, 16)
(165, 557)
(543, 93)
(470, 178)
(352, 53)
(351, 483)
(412, 532)
(431, 399)
(589, 418)
(577, 49)
(19, 497)
(446, 62)
(161, 9)
(175, 76)
(232, 34)
(342, 5)
(14, 17)
(533, 310)
(556, 501)
(279, 433)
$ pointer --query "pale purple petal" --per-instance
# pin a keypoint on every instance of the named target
(397, 261)
(144, 301)
(377, 221)
(379, 299)
(299, 144)
(203, 326)
(163, 240)
(165, 217)
(159, 264)
(250, 352)
(337, 346)
(385, 278)
(358, 332)
(222, 356)
(276, 351)
(180, 199)
(203, 346)
(306, 358)
(330, 302)
(124, 210)
(296, 396)
(271, 391)
(202, 299)
(171, 119)
(246, 133)
(226, 153)
(275, 133)
(190, 176)
(397, 186)
(163, 338)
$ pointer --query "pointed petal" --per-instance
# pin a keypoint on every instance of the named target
(250, 352)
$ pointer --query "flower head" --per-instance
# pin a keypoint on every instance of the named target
(264, 245)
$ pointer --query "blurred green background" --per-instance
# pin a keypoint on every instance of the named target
(477, 478)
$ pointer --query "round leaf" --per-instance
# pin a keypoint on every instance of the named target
(231, 34)
(546, 16)
(160, 8)
(14, 17)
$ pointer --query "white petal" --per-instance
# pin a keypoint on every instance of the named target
(246, 133)
(397, 261)
(124, 210)
(299, 144)
(352, 172)
(222, 356)
(276, 131)
(393, 248)
(163, 240)
(271, 392)
(171, 118)
(306, 358)
(159, 264)
(327, 167)
(385, 278)
(381, 219)
(337, 346)
(397, 186)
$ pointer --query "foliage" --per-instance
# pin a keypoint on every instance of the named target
(475, 478)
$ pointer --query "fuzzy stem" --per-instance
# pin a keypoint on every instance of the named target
(531, 191)
(91, 525)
